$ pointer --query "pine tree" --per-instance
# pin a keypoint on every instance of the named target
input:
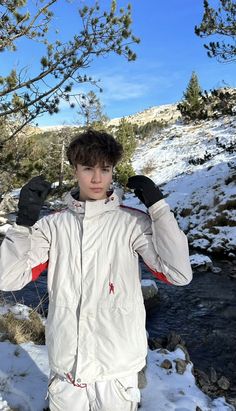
(219, 21)
(92, 110)
(126, 136)
(192, 104)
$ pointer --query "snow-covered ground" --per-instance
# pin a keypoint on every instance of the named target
(24, 374)
(203, 196)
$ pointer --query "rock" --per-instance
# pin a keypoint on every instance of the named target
(231, 255)
(232, 401)
(198, 409)
(163, 351)
(216, 270)
(223, 383)
(8, 204)
(213, 375)
(173, 339)
(155, 343)
(201, 262)
(180, 365)
(184, 349)
(3, 220)
(201, 243)
(149, 289)
(150, 294)
(167, 364)
(142, 380)
(218, 247)
(202, 378)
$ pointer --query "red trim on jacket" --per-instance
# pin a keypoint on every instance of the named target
(159, 276)
(36, 271)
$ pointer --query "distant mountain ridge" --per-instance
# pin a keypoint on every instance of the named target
(167, 113)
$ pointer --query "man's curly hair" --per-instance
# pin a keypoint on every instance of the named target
(94, 147)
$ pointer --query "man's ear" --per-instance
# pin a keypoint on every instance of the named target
(74, 173)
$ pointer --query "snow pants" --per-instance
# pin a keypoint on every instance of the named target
(121, 394)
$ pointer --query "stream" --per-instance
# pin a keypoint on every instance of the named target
(203, 313)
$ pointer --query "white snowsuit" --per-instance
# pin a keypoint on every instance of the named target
(96, 321)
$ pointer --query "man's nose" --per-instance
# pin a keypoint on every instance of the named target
(96, 176)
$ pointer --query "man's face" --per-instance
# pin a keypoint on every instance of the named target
(93, 181)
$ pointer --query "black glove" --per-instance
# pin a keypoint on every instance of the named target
(32, 197)
(145, 189)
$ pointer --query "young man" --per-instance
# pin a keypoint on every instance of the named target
(95, 329)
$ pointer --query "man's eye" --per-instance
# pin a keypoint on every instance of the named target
(106, 170)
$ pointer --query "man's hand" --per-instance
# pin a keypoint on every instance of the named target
(32, 197)
(145, 189)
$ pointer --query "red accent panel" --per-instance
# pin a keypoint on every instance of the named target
(159, 276)
(132, 208)
(36, 271)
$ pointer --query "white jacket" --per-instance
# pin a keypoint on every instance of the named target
(96, 320)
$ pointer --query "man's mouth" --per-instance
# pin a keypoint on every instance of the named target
(96, 190)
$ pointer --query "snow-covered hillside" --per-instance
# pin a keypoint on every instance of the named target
(167, 113)
(195, 165)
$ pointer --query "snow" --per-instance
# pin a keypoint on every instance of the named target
(172, 391)
(14, 193)
(24, 374)
(149, 283)
(199, 259)
(21, 311)
(202, 196)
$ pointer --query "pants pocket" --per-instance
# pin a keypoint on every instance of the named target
(56, 387)
(53, 382)
(127, 388)
(64, 396)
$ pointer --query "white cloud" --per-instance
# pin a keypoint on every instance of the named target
(118, 87)
(127, 86)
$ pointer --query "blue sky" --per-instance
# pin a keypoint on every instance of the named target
(168, 53)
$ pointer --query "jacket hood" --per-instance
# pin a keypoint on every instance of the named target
(93, 207)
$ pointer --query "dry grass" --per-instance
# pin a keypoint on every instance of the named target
(148, 167)
(230, 204)
(185, 212)
(219, 220)
(213, 230)
(19, 331)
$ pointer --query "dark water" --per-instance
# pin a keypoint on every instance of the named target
(204, 314)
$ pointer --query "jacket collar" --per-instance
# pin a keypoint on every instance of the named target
(92, 208)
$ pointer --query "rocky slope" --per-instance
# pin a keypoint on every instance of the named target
(195, 165)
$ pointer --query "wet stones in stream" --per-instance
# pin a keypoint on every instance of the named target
(212, 384)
